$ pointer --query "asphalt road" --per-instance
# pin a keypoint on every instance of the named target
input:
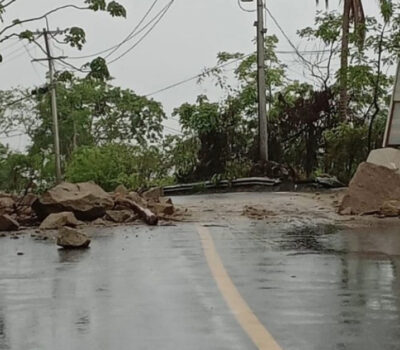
(194, 287)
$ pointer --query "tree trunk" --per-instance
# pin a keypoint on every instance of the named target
(344, 61)
(146, 214)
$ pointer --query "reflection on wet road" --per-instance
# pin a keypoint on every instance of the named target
(315, 288)
(139, 288)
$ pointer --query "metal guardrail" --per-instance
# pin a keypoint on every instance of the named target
(249, 181)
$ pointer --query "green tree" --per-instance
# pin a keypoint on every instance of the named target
(353, 11)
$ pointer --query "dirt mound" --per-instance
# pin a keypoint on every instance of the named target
(370, 188)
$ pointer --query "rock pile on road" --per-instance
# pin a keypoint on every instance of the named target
(71, 205)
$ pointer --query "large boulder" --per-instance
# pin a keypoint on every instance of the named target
(370, 188)
(58, 220)
(70, 238)
(86, 200)
(7, 223)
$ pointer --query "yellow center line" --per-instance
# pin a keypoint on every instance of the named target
(244, 315)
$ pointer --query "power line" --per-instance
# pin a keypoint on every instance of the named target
(146, 34)
(303, 52)
(134, 29)
(286, 36)
(129, 37)
(173, 129)
(12, 136)
(16, 101)
(32, 58)
(207, 71)
(11, 44)
(13, 58)
(8, 54)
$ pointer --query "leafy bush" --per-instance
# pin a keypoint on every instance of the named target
(347, 147)
(115, 164)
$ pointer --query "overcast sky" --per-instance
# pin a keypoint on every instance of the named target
(181, 45)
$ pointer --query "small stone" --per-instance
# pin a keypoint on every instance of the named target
(346, 211)
(121, 190)
(70, 238)
(119, 216)
(390, 208)
(163, 209)
(20, 253)
(134, 196)
(153, 193)
(165, 200)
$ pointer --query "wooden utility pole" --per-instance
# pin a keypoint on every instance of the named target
(50, 60)
(53, 108)
(262, 98)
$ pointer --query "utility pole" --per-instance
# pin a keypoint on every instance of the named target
(262, 98)
(50, 60)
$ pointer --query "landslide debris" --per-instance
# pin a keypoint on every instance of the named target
(73, 205)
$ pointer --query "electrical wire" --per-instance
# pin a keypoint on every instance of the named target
(12, 58)
(209, 70)
(146, 34)
(11, 44)
(12, 136)
(287, 37)
(16, 101)
(5, 55)
(173, 129)
(134, 29)
(129, 37)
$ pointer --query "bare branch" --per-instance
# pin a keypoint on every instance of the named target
(9, 36)
(34, 19)
(5, 4)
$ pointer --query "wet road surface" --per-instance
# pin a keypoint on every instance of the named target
(140, 288)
